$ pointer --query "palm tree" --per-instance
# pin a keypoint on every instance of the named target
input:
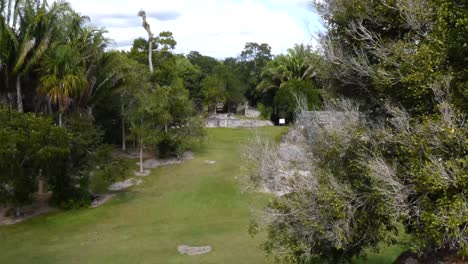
(62, 77)
(296, 64)
(26, 30)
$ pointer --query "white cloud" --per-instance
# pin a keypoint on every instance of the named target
(218, 28)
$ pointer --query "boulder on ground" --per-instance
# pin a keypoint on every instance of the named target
(193, 251)
(118, 186)
(145, 173)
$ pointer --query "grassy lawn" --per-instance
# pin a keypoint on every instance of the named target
(193, 203)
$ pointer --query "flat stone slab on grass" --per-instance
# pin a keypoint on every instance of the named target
(145, 173)
(26, 216)
(211, 162)
(118, 186)
(193, 251)
(101, 199)
(188, 155)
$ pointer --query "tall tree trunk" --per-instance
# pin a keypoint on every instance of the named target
(124, 138)
(19, 94)
(150, 55)
(40, 184)
(141, 155)
(60, 119)
(147, 27)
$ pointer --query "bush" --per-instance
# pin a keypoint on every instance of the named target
(288, 96)
(107, 169)
(179, 140)
(30, 148)
(367, 179)
(433, 165)
(265, 111)
(69, 176)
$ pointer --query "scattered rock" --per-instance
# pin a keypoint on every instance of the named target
(211, 162)
(36, 211)
(131, 154)
(188, 155)
(193, 251)
(172, 161)
(101, 199)
(118, 186)
(155, 163)
(150, 163)
(145, 173)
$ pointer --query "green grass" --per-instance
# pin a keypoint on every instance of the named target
(192, 203)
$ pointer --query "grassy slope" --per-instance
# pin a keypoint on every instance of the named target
(193, 203)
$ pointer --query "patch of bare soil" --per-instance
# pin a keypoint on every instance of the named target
(193, 251)
(38, 207)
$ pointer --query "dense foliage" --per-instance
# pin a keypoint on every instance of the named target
(400, 160)
(54, 63)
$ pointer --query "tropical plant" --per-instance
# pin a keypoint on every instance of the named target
(62, 77)
(27, 29)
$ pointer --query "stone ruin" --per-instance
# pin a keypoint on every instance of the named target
(230, 121)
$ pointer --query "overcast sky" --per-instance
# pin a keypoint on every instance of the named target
(218, 28)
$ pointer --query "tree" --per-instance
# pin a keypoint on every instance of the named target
(393, 50)
(235, 86)
(213, 91)
(147, 27)
(62, 78)
(26, 32)
(148, 116)
(378, 167)
(253, 58)
(290, 96)
(291, 78)
(29, 142)
(191, 75)
(111, 100)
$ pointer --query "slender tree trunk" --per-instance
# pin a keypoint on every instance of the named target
(60, 119)
(40, 186)
(141, 155)
(150, 55)
(19, 94)
(124, 138)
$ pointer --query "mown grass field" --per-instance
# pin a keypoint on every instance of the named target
(193, 203)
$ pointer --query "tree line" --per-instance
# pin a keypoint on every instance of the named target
(66, 97)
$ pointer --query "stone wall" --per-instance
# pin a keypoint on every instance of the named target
(326, 118)
(252, 113)
(232, 122)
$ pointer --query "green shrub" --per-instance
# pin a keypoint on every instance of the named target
(107, 169)
(265, 111)
(367, 180)
(31, 146)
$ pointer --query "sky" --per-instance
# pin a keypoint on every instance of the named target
(217, 28)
